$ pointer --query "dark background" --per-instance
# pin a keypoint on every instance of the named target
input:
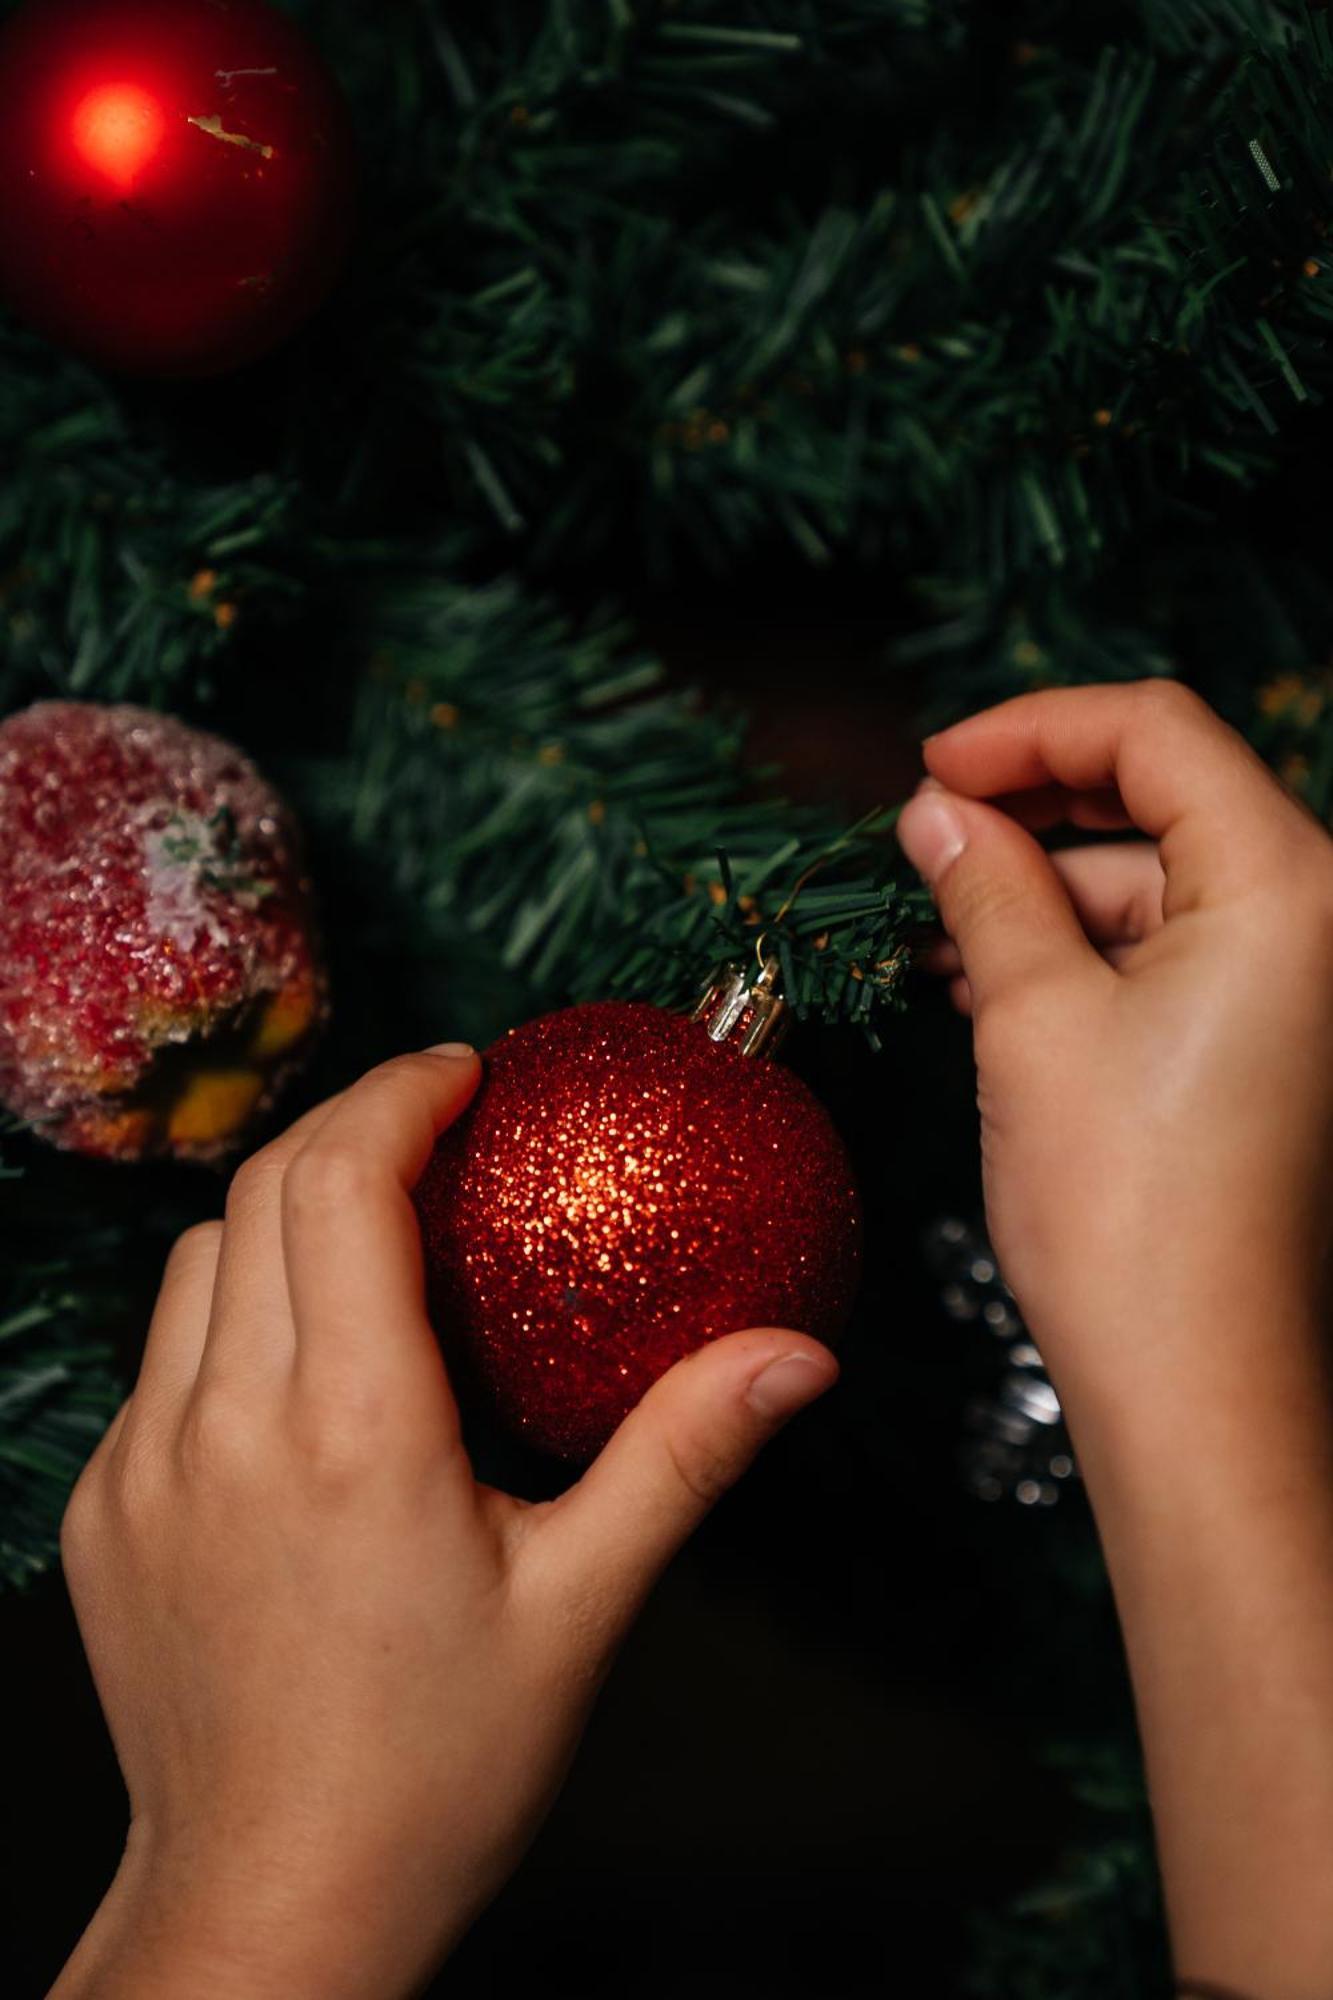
(814, 1761)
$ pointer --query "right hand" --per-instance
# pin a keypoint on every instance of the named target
(1152, 1029)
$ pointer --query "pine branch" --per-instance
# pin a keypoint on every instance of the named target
(119, 577)
(1083, 290)
(1094, 1926)
(57, 1395)
(57, 1391)
(1072, 283)
(517, 783)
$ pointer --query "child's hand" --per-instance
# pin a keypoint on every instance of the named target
(1154, 1041)
(343, 1680)
(1152, 1027)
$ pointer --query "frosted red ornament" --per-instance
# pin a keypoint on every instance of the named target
(175, 179)
(158, 974)
(622, 1190)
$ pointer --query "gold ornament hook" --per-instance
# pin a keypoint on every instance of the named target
(745, 1009)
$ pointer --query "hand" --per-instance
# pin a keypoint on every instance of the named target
(1155, 1065)
(344, 1680)
(1154, 1061)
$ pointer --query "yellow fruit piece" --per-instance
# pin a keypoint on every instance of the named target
(283, 1022)
(212, 1105)
(116, 1135)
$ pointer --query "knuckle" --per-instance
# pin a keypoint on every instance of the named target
(703, 1466)
(197, 1245)
(1168, 700)
(996, 1031)
(137, 1485)
(978, 897)
(253, 1181)
(326, 1176)
(341, 1427)
(334, 1449)
(1143, 910)
(216, 1440)
(1017, 1020)
(81, 1522)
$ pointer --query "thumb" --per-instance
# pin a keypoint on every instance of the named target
(998, 895)
(693, 1435)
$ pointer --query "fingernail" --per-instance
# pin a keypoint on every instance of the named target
(787, 1385)
(456, 1049)
(931, 833)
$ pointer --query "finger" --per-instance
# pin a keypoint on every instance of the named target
(1055, 805)
(941, 958)
(961, 995)
(1183, 776)
(350, 1233)
(1117, 891)
(250, 1335)
(606, 1540)
(179, 1326)
(999, 897)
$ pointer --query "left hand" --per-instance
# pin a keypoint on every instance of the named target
(343, 1679)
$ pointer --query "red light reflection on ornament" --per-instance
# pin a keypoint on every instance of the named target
(117, 128)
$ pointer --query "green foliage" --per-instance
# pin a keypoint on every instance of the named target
(56, 1395)
(519, 784)
(1093, 1930)
(57, 1389)
(102, 539)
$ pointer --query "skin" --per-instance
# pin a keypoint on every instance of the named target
(344, 1680)
(1155, 1072)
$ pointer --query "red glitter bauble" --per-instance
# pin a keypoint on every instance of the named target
(157, 971)
(622, 1190)
(175, 179)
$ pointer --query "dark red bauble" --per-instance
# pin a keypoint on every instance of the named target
(175, 179)
(622, 1190)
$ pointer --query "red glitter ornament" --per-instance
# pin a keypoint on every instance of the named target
(622, 1190)
(157, 971)
(175, 179)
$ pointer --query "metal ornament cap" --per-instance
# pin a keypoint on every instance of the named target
(745, 1009)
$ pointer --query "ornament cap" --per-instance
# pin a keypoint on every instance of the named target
(745, 1008)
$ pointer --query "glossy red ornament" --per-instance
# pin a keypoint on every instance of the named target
(158, 974)
(622, 1190)
(175, 179)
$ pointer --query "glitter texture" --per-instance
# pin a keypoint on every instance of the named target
(623, 1190)
(157, 969)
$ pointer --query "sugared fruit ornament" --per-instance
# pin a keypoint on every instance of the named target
(176, 179)
(623, 1189)
(158, 975)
